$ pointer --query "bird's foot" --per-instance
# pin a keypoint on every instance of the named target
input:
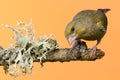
(76, 43)
(93, 51)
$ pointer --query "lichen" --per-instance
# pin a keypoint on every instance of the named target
(24, 47)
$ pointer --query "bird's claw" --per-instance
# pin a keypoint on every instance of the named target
(93, 51)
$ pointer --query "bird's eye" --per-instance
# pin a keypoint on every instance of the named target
(72, 29)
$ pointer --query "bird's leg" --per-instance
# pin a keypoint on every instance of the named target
(93, 49)
(75, 43)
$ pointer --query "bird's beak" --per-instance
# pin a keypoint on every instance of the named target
(71, 38)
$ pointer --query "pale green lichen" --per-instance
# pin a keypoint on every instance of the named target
(25, 46)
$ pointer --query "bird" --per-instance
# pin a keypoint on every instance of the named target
(88, 25)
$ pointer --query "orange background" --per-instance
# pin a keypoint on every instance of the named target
(52, 16)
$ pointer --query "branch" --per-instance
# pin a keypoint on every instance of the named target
(64, 55)
(80, 52)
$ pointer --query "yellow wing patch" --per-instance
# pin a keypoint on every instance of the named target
(100, 23)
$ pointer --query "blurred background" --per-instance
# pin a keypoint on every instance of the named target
(51, 17)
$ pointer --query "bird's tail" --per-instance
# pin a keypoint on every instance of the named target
(104, 10)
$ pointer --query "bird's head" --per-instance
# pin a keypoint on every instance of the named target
(72, 32)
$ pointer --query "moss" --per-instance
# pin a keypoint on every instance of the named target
(25, 46)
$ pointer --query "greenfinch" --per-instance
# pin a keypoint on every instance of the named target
(87, 25)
